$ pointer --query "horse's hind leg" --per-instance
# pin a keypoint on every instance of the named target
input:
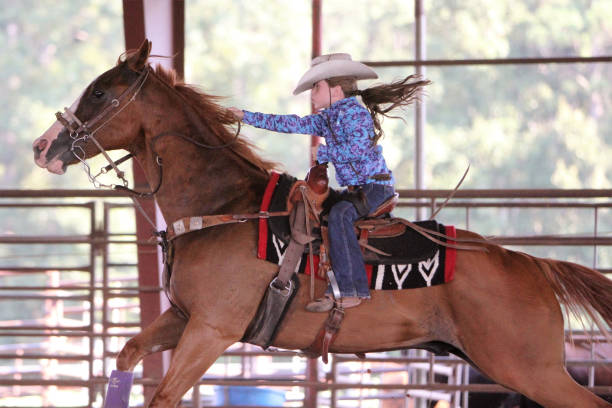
(163, 334)
(555, 388)
(201, 344)
(530, 361)
(510, 325)
(549, 385)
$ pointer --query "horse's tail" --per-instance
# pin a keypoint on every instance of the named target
(581, 290)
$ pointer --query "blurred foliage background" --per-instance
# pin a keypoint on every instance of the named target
(520, 126)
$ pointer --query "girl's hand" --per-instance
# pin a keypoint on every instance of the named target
(238, 113)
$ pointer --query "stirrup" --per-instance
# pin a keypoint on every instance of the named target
(348, 302)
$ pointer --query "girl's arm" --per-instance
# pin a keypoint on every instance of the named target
(310, 125)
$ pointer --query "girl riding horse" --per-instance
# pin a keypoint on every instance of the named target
(501, 312)
(351, 132)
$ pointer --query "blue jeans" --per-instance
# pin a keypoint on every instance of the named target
(345, 253)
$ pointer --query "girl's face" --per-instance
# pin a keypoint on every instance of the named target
(322, 96)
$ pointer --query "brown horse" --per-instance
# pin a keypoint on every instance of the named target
(502, 310)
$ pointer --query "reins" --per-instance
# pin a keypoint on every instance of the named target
(81, 132)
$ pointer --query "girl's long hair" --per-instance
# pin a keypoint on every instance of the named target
(382, 99)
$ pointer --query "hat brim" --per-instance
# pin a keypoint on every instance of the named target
(333, 69)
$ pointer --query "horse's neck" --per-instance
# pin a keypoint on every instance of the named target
(199, 181)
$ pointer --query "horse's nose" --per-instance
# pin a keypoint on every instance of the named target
(39, 146)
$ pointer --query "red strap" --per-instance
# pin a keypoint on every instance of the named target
(451, 255)
(263, 223)
(369, 269)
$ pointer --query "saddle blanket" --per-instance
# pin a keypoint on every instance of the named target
(437, 267)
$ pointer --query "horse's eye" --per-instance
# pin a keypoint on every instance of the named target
(98, 93)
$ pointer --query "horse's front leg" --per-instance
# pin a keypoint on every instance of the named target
(163, 334)
(201, 344)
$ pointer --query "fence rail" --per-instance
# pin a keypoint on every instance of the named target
(88, 310)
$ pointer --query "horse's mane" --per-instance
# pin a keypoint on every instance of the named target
(216, 118)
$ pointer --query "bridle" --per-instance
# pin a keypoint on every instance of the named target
(83, 131)
(80, 131)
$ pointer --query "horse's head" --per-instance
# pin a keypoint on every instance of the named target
(102, 118)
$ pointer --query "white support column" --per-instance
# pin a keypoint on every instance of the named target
(420, 112)
(158, 29)
(419, 154)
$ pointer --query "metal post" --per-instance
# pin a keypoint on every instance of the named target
(334, 378)
(92, 299)
(420, 112)
(312, 371)
(591, 380)
(466, 380)
(316, 51)
(148, 266)
(165, 27)
(178, 37)
(196, 398)
(105, 280)
(419, 153)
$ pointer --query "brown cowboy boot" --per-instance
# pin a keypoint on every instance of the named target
(326, 303)
(322, 304)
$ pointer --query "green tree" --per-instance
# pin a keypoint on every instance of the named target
(51, 51)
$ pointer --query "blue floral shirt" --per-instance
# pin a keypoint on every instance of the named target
(349, 147)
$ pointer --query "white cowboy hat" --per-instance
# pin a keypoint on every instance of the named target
(333, 66)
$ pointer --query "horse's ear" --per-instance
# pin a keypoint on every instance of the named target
(137, 60)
